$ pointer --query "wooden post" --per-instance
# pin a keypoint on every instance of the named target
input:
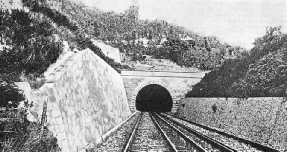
(43, 121)
(44, 115)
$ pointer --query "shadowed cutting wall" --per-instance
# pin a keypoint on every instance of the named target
(259, 119)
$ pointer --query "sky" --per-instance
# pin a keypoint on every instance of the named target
(237, 22)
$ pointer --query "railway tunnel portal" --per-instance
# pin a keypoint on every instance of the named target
(158, 91)
(153, 98)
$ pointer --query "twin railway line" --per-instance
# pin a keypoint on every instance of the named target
(164, 132)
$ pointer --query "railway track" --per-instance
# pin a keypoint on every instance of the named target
(147, 136)
(199, 142)
(155, 133)
(164, 132)
(233, 142)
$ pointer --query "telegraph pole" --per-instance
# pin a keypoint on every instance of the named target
(1, 21)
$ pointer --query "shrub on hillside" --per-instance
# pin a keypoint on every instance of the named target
(266, 77)
(217, 83)
(33, 46)
(58, 18)
(22, 135)
(260, 73)
(79, 36)
(15, 130)
(9, 92)
(34, 59)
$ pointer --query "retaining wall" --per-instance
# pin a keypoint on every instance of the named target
(262, 120)
(85, 99)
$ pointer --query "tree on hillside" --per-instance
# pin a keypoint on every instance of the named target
(270, 42)
(175, 48)
(9, 92)
(119, 29)
(260, 73)
(33, 48)
(97, 29)
(267, 76)
(207, 44)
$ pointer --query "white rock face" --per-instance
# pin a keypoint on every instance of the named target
(85, 99)
(11, 4)
(25, 87)
(26, 90)
(109, 51)
(66, 46)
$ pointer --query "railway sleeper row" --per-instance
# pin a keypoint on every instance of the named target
(165, 132)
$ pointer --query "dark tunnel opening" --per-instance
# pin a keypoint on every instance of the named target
(154, 98)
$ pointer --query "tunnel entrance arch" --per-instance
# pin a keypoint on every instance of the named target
(142, 85)
(154, 98)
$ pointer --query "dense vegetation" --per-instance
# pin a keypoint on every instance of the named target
(17, 133)
(261, 72)
(126, 32)
(10, 92)
(33, 42)
(35, 38)
(33, 47)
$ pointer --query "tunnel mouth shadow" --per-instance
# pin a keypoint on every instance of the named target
(154, 98)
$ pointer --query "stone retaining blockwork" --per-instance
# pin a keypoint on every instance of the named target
(262, 120)
(85, 99)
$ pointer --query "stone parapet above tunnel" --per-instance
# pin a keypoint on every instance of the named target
(176, 83)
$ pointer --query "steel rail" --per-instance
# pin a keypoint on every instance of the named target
(131, 137)
(164, 134)
(211, 141)
(193, 143)
(245, 141)
(129, 142)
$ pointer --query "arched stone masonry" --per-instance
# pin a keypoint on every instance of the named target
(144, 84)
(177, 83)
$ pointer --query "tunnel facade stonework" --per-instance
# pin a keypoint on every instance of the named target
(177, 83)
